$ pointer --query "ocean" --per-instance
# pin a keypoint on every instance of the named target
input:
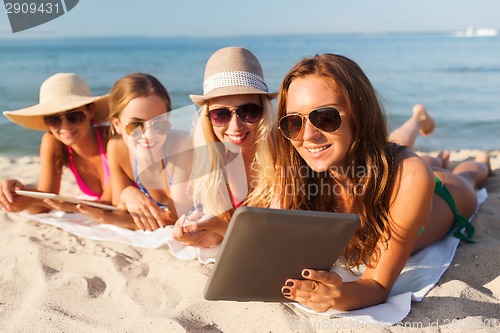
(457, 78)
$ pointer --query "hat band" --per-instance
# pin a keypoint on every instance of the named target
(233, 79)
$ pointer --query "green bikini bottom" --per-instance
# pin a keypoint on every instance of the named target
(463, 223)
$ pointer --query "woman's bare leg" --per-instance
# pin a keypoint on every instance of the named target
(474, 173)
(462, 183)
(420, 123)
(441, 161)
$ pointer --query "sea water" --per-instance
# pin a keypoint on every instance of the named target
(457, 78)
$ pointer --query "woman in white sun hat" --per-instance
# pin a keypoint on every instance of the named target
(70, 115)
(234, 136)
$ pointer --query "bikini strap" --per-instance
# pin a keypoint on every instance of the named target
(441, 190)
(104, 160)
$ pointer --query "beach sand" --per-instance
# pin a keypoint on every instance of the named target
(53, 281)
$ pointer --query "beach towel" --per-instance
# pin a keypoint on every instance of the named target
(421, 272)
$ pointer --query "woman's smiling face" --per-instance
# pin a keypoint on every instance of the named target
(321, 150)
(146, 139)
(236, 131)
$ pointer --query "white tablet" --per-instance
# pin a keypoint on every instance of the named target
(53, 196)
(264, 247)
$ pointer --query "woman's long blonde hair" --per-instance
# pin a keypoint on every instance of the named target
(210, 158)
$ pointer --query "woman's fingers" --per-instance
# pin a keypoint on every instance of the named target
(138, 221)
(325, 277)
(96, 214)
(319, 291)
(178, 233)
(7, 192)
(62, 206)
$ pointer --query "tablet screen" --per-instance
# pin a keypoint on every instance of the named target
(263, 247)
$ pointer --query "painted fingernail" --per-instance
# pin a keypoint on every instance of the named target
(305, 273)
(287, 295)
(289, 283)
(285, 291)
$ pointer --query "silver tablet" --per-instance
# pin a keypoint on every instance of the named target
(53, 196)
(264, 247)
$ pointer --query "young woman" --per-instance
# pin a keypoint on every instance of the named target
(234, 144)
(148, 176)
(71, 116)
(332, 123)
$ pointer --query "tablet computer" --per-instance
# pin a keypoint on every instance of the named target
(263, 247)
(53, 196)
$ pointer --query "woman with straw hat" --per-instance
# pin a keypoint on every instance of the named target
(70, 114)
(235, 124)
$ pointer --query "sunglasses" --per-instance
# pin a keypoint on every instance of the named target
(160, 127)
(75, 117)
(249, 113)
(326, 119)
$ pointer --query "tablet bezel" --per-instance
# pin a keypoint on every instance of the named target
(53, 196)
(250, 265)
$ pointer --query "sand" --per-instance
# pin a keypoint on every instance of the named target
(53, 281)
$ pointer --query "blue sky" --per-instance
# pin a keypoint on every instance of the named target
(233, 18)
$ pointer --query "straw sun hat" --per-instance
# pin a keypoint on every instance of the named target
(59, 93)
(232, 71)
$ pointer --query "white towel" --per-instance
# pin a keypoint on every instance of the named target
(82, 226)
(421, 272)
(426, 266)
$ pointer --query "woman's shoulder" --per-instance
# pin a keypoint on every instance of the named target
(48, 137)
(412, 169)
(50, 144)
(116, 146)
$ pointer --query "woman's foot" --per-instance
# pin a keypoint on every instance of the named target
(444, 158)
(427, 124)
(484, 157)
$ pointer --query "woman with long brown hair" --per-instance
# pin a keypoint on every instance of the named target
(335, 155)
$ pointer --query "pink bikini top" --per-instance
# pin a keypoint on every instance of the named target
(236, 203)
(90, 195)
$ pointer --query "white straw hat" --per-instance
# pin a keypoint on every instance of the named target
(232, 71)
(60, 92)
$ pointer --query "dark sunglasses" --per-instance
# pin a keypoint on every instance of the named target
(75, 117)
(160, 127)
(326, 119)
(249, 113)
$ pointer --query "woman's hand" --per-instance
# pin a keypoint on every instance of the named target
(8, 194)
(61, 205)
(145, 212)
(198, 222)
(198, 230)
(119, 218)
(320, 290)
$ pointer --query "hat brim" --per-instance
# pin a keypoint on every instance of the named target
(230, 91)
(32, 117)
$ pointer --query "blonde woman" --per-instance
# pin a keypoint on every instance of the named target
(146, 183)
(234, 144)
